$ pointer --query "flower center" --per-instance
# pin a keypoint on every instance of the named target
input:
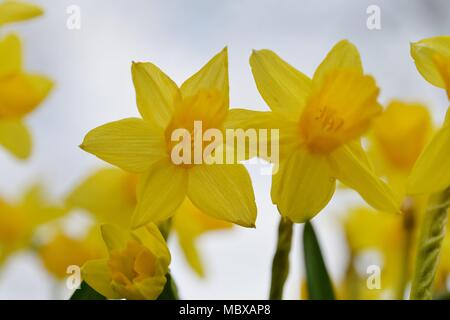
(134, 263)
(339, 110)
(193, 116)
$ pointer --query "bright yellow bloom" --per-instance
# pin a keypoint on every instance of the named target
(399, 135)
(20, 94)
(136, 267)
(144, 146)
(63, 251)
(320, 122)
(15, 11)
(432, 58)
(110, 195)
(19, 221)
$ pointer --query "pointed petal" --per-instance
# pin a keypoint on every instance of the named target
(430, 173)
(344, 55)
(156, 93)
(303, 186)
(14, 11)
(96, 273)
(152, 238)
(424, 53)
(114, 237)
(160, 192)
(16, 138)
(284, 88)
(131, 144)
(354, 172)
(224, 192)
(10, 55)
(212, 77)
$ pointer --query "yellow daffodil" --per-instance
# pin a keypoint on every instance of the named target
(20, 93)
(15, 11)
(63, 251)
(144, 146)
(19, 221)
(110, 195)
(432, 58)
(320, 122)
(136, 267)
(399, 135)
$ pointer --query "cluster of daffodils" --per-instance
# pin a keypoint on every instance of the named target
(331, 129)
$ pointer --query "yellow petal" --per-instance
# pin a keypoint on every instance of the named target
(425, 52)
(15, 137)
(224, 192)
(344, 55)
(109, 194)
(21, 93)
(284, 88)
(430, 173)
(211, 77)
(340, 110)
(156, 93)
(191, 254)
(97, 275)
(14, 11)
(303, 186)
(160, 192)
(115, 238)
(151, 238)
(151, 288)
(10, 55)
(355, 173)
(131, 144)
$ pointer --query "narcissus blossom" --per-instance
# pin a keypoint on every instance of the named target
(110, 196)
(144, 146)
(321, 121)
(398, 137)
(136, 267)
(20, 94)
(19, 221)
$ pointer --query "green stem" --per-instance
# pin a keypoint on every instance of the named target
(432, 233)
(280, 264)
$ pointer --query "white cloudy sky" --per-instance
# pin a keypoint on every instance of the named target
(91, 68)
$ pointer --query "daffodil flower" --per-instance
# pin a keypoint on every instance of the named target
(20, 94)
(398, 137)
(432, 58)
(15, 11)
(320, 122)
(144, 146)
(136, 267)
(110, 196)
(62, 251)
(19, 221)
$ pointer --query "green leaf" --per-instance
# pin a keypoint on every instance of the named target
(85, 292)
(318, 280)
(170, 291)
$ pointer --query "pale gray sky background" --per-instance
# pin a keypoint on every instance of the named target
(91, 68)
